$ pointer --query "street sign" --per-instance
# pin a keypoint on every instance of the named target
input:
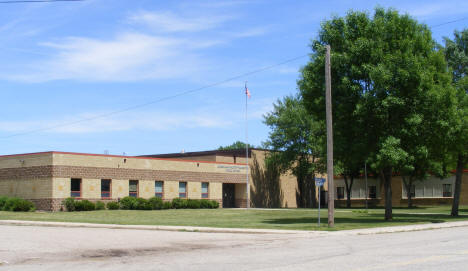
(319, 181)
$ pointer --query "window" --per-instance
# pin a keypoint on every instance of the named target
(340, 192)
(133, 188)
(75, 188)
(372, 192)
(105, 189)
(182, 190)
(204, 190)
(446, 190)
(159, 189)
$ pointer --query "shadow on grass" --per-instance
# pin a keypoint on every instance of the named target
(371, 219)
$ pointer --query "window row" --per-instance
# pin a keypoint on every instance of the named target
(133, 189)
(371, 192)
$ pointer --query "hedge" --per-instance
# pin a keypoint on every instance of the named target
(131, 203)
(16, 205)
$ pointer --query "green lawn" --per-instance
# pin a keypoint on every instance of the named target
(291, 219)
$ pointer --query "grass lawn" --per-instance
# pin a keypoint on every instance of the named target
(286, 219)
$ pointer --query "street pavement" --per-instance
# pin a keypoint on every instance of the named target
(84, 248)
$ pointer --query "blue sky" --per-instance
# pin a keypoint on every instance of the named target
(63, 62)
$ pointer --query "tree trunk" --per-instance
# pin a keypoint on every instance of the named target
(408, 183)
(386, 176)
(311, 197)
(458, 182)
(349, 186)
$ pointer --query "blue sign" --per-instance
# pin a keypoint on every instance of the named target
(319, 181)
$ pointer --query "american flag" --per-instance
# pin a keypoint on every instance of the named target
(247, 92)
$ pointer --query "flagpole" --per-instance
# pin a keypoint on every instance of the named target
(247, 149)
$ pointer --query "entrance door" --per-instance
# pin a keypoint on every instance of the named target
(228, 195)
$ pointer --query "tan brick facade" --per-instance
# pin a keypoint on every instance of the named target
(45, 178)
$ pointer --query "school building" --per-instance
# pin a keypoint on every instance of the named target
(48, 178)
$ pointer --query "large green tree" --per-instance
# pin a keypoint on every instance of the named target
(296, 141)
(387, 78)
(456, 53)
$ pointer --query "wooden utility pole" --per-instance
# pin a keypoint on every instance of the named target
(331, 186)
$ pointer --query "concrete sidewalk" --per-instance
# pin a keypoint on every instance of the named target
(380, 230)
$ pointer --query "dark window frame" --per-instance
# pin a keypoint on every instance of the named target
(207, 194)
(159, 194)
(106, 194)
(133, 193)
(183, 195)
(76, 193)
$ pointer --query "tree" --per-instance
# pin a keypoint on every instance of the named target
(238, 145)
(456, 53)
(387, 77)
(297, 143)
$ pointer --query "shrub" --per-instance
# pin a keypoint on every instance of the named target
(167, 205)
(156, 203)
(205, 204)
(128, 203)
(3, 200)
(69, 204)
(100, 205)
(193, 204)
(142, 204)
(18, 205)
(179, 203)
(84, 205)
(214, 204)
(113, 205)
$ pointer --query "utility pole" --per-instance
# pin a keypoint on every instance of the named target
(331, 186)
(365, 175)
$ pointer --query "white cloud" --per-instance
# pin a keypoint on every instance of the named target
(169, 22)
(127, 57)
(143, 54)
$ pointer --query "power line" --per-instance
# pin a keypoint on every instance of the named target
(166, 97)
(454, 21)
(36, 1)
(160, 99)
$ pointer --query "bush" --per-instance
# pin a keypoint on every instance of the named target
(156, 203)
(128, 203)
(113, 205)
(100, 205)
(143, 204)
(205, 204)
(214, 204)
(18, 205)
(69, 204)
(179, 203)
(193, 204)
(84, 205)
(167, 205)
(3, 200)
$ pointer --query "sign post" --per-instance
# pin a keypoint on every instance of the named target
(319, 183)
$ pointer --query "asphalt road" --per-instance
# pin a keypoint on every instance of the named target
(56, 248)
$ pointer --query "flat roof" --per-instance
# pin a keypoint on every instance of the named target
(237, 152)
(121, 156)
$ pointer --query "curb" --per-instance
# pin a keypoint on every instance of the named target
(398, 229)
(150, 227)
(368, 231)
